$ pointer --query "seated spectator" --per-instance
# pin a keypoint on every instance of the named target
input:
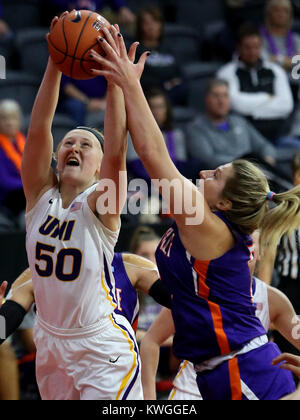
(12, 141)
(161, 68)
(174, 137)
(237, 13)
(259, 89)
(219, 137)
(280, 43)
(80, 97)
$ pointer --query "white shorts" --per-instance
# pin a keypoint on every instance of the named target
(185, 385)
(94, 363)
(179, 395)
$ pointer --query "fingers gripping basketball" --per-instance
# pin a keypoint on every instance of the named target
(70, 40)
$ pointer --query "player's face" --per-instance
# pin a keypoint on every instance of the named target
(214, 183)
(79, 157)
(9, 122)
(147, 249)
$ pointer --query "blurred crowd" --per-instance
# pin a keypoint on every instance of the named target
(220, 84)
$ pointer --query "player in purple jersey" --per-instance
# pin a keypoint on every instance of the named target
(203, 258)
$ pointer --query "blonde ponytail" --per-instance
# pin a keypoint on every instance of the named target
(248, 190)
(283, 219)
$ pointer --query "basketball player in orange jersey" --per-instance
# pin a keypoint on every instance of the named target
(70, 246)
(204, 260)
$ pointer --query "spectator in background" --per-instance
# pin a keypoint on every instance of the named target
(237, 13)
(12, 141)
(174, 137)
(259, 89)
(153, 209)
(161, 68)
(280, 43)
(80, 97)
(219, 137)
(125, 15)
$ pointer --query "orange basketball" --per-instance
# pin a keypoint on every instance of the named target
(71, 39)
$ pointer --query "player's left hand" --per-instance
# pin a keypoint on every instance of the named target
(291, 362)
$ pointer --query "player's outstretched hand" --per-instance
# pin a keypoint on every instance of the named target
(118, 66)
(54, 21)
(3, 287)
(290, 362)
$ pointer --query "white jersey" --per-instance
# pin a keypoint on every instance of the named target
(262, 303)
(70, 254)
(185, 385)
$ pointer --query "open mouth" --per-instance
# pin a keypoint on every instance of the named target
(72, 162)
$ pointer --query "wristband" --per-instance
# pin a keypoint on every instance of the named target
(11, 317)
(160, 294)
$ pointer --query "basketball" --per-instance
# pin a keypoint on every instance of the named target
(71, 39)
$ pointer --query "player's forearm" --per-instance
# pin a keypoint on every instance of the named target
(146, 135)
(46, 100)
(115, 125)
(149, 352)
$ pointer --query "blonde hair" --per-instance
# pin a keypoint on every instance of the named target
(248, 192)
(271, 3)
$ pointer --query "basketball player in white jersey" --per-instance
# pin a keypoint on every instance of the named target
(84, 350)
(272, 308)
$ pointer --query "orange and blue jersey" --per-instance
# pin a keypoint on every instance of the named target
(212, 303)
(126, 295)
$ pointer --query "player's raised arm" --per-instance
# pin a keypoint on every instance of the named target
(36, 171)
(185, 201)
(113, 166)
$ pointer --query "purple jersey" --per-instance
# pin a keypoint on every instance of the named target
(127, 299)
(212, 304)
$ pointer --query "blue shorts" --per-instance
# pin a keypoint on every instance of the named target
(250, 376)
